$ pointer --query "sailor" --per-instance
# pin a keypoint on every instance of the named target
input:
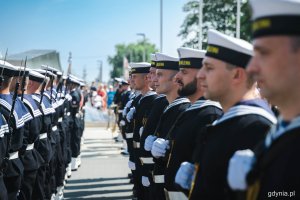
(3, 145)
(44, 145)
(123, 122)
(139, 72)
(58, 165)
(54, 135)
(67, 123)
(31, 158)
(135, 97)
(273, 168)
(75, 129)
(4, 136)
(124, 98)
(245, 122)
(167, 67)
(202, 112)
(159, 104)
(16, 114)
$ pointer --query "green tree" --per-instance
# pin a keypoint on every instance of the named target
(219, 15)
(134, 52)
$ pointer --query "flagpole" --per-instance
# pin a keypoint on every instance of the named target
(200, 23)
(238, 19)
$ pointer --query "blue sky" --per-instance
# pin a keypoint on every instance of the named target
(88, 28)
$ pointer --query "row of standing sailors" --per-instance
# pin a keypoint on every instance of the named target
(40, 137)
(161, 134)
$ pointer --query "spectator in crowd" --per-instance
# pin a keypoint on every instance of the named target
(110, 95)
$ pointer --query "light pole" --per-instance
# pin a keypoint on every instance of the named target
(144, 49)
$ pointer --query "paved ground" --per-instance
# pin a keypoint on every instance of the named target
(103, 172)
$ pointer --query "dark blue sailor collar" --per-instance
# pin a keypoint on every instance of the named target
(46, 106)
(20, 113)
(177, 101)
(30, 102)
(148, 94)
(248, 107)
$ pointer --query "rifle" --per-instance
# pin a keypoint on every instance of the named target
(11, 113)
(24, 80)
(59, 86)
(51, 88)
(43, 86)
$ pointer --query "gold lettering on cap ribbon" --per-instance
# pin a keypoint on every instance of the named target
(261, 24)
(184, 62)
(213, 49)
(160, 64)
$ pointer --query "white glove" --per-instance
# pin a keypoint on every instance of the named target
(122, 123)
(131, 165)
(160, 147)
(239, 166)
(145, 181)
(184, 176)
(130, 114)
(149, 142)
(128, 104)
(141, 131)
(124, 112)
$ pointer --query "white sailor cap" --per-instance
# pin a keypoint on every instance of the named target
(140, 67)
(46, 72)
(118, 79)
(228, 49)
(7, 69)
(58, 73)
(35, 76)
(153, 60)
(48, 68)
(164, 61)
(20, 70)
(190, 58)
(74, 81)
(124, 82)
(275, 17)
(75, 78)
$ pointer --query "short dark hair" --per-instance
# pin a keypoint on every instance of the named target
(295, 43)
(6, 81)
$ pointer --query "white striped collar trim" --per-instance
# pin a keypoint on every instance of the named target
(27, 117)
(275, 132)
(148, 94)
(47, 95)
(36, 112)
(3, 130)
(36, 98)
(241, 110)
(161, 96)
(177, 102)
(203, 103)
(19, 122)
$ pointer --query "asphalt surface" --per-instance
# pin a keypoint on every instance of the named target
(104, 171)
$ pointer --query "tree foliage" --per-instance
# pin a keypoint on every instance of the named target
(133, 52)
(219, 15)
